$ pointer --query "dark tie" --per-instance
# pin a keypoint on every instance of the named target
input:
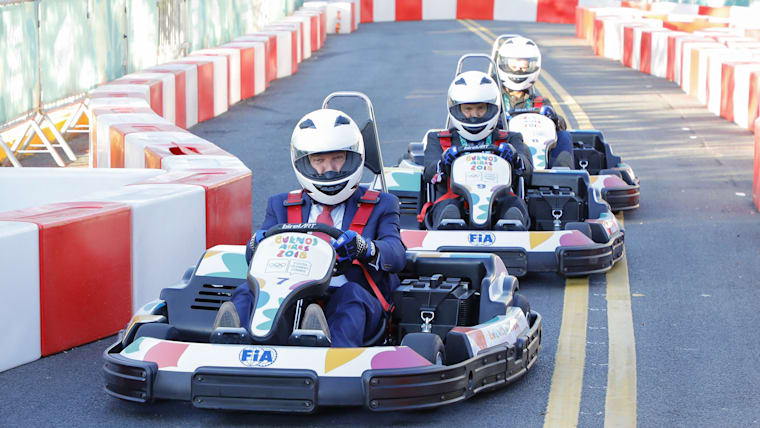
(325, 218)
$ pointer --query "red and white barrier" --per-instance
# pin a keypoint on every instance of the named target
(270, 45)
(252, 67)
(168, 233)
(339, 18)
(217, 92)
(714, 75)
(120, 133)
(284, 51)
(20, 338)
(307, 32)
(167, 90)
(158, 153)
(233, 69)
(80, 303)
(186, 92)
(100, 144)
(756, 165)
(228, 200)
(735, 92)
(296, 39)
(314, 36)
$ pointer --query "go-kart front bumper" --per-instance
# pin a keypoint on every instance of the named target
(303, 391)
(622, 198)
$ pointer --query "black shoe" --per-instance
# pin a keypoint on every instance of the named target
(449, 212)
(514, 213)
(314, 319)
(227, 316)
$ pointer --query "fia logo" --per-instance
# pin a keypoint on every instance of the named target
(258, 356)
(482, 238)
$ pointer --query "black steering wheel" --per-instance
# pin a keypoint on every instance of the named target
(331, 231)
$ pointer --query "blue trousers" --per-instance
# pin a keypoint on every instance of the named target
(352, 313)
(564, 144)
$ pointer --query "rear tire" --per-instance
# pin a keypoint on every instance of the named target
(519, 301)
(583, 227)
(428, 345)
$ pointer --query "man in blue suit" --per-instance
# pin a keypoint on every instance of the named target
(327, 152)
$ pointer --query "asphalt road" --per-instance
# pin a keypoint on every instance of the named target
(692, 247)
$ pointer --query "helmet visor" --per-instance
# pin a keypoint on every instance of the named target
(322, 168)
(518, 66)
(474, 114)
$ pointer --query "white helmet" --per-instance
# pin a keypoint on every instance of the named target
(324, 131)
(519, 61)
(472, 87)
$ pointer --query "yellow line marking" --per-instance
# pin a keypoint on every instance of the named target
(621, 397)
(620, 403)
(567, 381)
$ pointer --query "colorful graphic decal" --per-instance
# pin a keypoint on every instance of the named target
(226, 261)
(499, 330)
(539, 134)
(402, 179)
(602, 182)
(481, 174)
(281, 265)
(166, 354)
(338, 362)
(432, 240)
(400, 357)
(337, 357)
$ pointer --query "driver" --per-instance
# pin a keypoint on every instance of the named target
(474, 110)
(327, 154)
(519, 61)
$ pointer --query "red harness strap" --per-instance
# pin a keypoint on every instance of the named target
(294, 203)
(538, 102)
(366, 204)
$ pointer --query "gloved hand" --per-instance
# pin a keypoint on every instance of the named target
(506, 152)
(550, 113)
(450, 154)
(252, 243)
(352, 246)
(519, 165)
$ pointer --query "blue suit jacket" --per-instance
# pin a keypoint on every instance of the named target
(382, 228)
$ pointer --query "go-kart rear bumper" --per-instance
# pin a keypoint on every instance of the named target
(622, 198)
(302, 391)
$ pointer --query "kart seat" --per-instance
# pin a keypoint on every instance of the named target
(192, 308)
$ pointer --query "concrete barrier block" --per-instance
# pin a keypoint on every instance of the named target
(20, 266)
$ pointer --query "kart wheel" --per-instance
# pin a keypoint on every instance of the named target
(521, 302)
(583, 227)
(428, 345)
(157, 330)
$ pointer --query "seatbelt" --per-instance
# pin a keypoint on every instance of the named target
(366, 204)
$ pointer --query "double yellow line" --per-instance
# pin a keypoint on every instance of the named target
(564, 401)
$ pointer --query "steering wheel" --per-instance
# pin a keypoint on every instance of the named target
(331, 231)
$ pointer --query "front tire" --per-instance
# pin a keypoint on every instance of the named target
(428, 345)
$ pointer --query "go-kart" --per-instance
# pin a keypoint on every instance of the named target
(572, 230)
(458, 329)
(615, 179)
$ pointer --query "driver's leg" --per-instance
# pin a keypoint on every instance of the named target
(562, 153)
(352, 314)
